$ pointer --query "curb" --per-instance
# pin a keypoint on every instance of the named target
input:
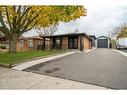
(121, 52)
(6, 66)
(87, 51)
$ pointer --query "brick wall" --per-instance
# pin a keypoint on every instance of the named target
(65, 42)
(87, 43)
(25, 45)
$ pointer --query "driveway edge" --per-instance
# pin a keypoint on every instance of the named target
(87, 51)
(28, 64)
(121, 52)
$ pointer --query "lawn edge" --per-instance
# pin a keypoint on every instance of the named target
(28, 64)
(30, 59)
(36, 58)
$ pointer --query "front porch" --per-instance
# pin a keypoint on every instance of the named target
(70, 41)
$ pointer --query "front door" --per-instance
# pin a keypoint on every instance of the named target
(72, 42)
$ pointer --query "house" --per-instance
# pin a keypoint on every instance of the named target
(79, 41)
(28, 43)
(25, 43)
(103, 42)
(121, 43)
(4, 41)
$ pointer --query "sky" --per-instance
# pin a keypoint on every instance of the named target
(102, 17)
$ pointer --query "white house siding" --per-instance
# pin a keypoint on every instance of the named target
(121, 42)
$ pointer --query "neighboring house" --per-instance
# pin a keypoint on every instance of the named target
(29, 43)
(79, 41)
(4, 41)
(25, 43)
(121, 42)
(103, 42)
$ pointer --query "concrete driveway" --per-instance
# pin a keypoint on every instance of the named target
(15, 79)
(102, 67)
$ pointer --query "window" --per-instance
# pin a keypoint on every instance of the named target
(57, 41)
(30, 43)
(21, 43)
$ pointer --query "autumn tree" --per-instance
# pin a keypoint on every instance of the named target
(15, 20)
(122, 31)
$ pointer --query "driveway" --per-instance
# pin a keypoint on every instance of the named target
(15, 79)
(102, 67)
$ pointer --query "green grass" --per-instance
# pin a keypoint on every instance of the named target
(10, 58)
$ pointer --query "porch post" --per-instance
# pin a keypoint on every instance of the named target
(81, 45)
(44, 43)
(61, 42)
(91, 43)
(51, 43)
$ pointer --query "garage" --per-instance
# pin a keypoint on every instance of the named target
(103, 42)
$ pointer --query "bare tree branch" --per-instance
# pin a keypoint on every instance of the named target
(24, 13)
(4, 32)
(2, 21)
(7, 15)
(14, 19)
(4, 28)
(19, 9)
(48, 31)
(26, 26)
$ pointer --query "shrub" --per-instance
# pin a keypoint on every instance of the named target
(3, 47)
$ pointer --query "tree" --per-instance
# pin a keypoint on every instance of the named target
(122, 31)
(76, 30)
(118, 31)
(113, 32)
(15, 20)
(1, 34)
(48, 31)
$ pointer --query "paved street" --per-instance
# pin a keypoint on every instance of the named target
(102, 67)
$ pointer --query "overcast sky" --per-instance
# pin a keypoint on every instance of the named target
(102, 16)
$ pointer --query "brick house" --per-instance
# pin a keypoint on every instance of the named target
(29, 43)
(79, 41)
(4, 41)
(24, 43)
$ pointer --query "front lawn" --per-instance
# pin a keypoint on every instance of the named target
(9, 58)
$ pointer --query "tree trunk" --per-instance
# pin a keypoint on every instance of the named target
(13, 44)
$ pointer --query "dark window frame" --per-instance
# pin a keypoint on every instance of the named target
(73, 44)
